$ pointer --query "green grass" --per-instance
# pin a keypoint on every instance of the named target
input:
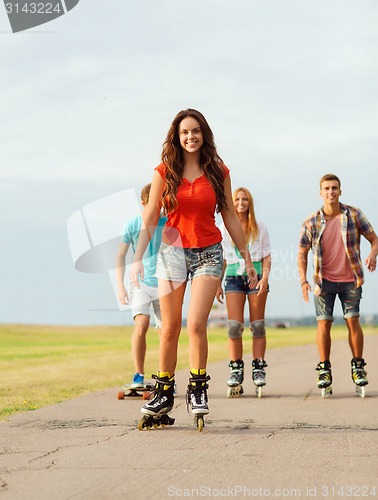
(44, 365)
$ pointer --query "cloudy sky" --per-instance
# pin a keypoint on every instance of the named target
(289, 88)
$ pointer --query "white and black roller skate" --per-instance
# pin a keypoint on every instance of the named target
(157, 409)
(359, 376)
(325, 378)
(235, 388)
(196, 398)
(258, 375)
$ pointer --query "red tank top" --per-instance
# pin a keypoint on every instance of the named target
(192, 224)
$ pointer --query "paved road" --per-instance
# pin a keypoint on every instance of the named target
(288, 444)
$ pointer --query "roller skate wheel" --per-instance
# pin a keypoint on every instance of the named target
(360, 391)
(259, 391)
(141, 423)
(121, 395)
(200, 423)
(235, 392)
(326, 392)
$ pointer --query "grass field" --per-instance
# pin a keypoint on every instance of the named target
(43, 365)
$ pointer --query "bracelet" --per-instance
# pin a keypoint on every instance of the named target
(304, 283)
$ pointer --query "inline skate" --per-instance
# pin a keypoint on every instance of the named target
(235, 388)
(196, 397)
(258, 375)
(324, 378)
(359, 376)
(157, 409)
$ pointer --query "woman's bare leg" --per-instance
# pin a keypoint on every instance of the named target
(202, 298)
(171, 297)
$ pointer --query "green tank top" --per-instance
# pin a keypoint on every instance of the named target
(232, 269)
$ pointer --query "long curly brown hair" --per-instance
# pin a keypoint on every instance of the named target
(172, 156)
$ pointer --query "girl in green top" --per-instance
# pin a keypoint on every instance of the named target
(237, 292)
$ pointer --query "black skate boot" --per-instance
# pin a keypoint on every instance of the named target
(196, 397)
(325, 378)
(157, 409)
(359, 375)
(258, 375)
(235, 388)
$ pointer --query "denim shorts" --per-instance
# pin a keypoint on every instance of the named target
(349, 296)
(183, 264)
(239, 284)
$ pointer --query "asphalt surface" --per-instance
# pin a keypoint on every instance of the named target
(290, 443)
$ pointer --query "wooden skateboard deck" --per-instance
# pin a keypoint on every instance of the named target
(132, 391)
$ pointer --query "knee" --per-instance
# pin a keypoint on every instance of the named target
(142, 323)
(258, 329)
(353, 324)
(324, 327)
(235, 329)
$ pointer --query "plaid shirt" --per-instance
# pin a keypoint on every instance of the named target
(353, 224)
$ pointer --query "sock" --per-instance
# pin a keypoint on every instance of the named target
(198, 372)
(167, 375)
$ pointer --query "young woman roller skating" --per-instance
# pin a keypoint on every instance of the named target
(238, 292)
(190, 184)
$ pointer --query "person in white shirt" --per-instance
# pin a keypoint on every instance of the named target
(237, 292)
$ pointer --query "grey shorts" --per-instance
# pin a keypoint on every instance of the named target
(184, 264)
(349, 296)
(142, 298)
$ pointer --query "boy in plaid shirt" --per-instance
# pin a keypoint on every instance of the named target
(333, 234)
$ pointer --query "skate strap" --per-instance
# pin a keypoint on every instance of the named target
(358, 363)
(259, 363)
(323, 365)
(170, 382)
(199, 379)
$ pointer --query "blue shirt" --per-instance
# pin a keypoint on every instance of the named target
(131, 235)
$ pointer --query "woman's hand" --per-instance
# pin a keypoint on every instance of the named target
(251, 272)
(136, 271)
(262, 285)
(123, 296)
(219, 295)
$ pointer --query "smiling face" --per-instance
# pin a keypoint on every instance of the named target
(191, 138)
(330, 192)
(241, 202)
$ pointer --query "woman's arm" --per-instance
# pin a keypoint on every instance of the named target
(266, 260)
(235, 230)
(220, 295)
(262, 285)
(150, 221)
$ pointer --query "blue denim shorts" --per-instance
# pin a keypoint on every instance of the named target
(183, 264)
(349, 296)
(239, 284)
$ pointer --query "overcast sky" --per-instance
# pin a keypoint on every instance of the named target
(289, 88)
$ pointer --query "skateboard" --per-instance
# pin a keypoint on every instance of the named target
(131, 391)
